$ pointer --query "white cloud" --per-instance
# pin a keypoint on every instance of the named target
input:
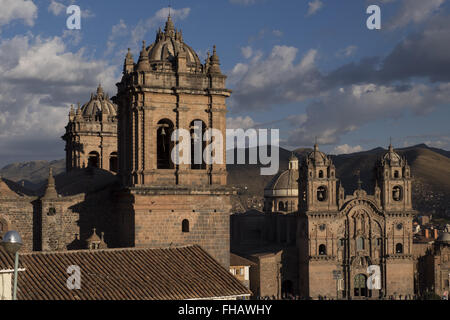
(415, 11)
(314, 6)
(138, 33)
(86, 13)
(73, 37)
(277, 33)
(296, 120)
(347, 52)
(240, 123)
(342, 111)
(443, 143)
(118, 30)
(247, 52)
(346, 149)
(56, 8)
(11, 10)
(275, 79)
(40, 79)
(59, 8)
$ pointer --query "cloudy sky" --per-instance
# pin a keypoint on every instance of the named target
(310, 68)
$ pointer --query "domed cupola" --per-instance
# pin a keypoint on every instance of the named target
(317, 157)
(169, 44)
(392, 158)
(444, 237)
(281, 194)
(99, 106)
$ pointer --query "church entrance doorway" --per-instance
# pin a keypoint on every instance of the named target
(360, 286)
(287, 288)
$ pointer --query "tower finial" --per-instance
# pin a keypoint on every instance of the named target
(359, 180)
(169, 29)
(391, 148)
(50, 191)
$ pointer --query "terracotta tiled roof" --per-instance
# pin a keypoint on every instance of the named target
(236, 260)
(6, 260)
(125, 274)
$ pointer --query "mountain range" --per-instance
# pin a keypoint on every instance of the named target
(430, 168)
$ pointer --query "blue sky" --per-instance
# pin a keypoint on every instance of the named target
(310, 68)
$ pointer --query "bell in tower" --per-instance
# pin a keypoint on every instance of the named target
(168, 91)
(317, 183)
(394, 181)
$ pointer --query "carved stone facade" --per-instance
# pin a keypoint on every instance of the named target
(91, 134)
(344, 235)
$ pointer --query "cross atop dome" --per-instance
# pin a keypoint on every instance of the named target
(100, 90)
(169, 29)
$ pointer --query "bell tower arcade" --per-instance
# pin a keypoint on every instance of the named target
(166, 203)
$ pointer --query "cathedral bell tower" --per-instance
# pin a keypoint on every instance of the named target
(317, 183)
(394, 180)
(168, 89)
(167, 202)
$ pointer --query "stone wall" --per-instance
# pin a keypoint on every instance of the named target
(155, 219)
(18, 215)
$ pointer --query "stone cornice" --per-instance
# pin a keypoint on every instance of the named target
(322, 214)
(398, 214)
(399, 257)
(182, 190)
(322, 258)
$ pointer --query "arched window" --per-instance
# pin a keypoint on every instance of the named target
(322, 193)
(396, 174)
(281, 206)
(51, 211)
(360, 243)
(322, 250)
(397, 193)
(320, 174)
(164, 144)
(198, 145)
(93, 159)
(398, 248)
(113, 162)
(185, 225)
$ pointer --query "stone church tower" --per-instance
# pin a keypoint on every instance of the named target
(91, 134)
(318, 183)
(340, 236)
(165, 203)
